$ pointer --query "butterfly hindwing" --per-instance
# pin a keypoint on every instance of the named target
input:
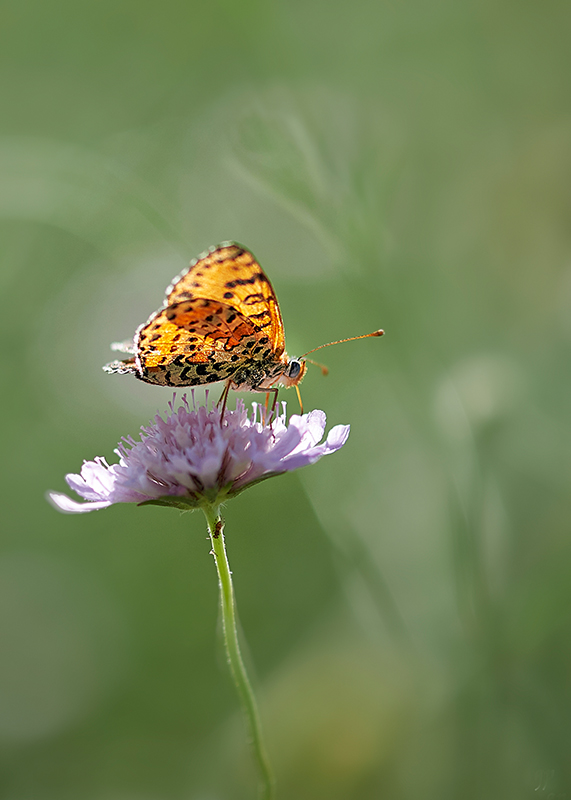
(195, 342)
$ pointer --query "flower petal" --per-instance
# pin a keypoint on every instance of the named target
(64, 503)
(337, 437)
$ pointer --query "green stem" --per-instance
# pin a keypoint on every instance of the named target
(250, 708)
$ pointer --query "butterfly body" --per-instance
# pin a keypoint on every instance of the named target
(220, 322)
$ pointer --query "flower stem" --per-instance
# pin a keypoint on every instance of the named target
(249, 706)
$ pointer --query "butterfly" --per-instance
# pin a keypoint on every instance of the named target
(220, 321)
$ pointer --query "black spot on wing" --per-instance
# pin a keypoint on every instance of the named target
(252, 299)
(257, 276)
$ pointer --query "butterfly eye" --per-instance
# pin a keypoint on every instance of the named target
(293, 368)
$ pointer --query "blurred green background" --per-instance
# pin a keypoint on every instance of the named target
(406, 602)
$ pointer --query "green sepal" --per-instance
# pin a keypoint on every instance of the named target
(211, 497)
(182, 503)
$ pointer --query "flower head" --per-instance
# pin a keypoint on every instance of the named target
(190, 458)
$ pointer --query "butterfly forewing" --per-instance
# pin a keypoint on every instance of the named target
(231, 275)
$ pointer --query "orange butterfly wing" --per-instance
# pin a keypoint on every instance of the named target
(231, 275)
(194, 342)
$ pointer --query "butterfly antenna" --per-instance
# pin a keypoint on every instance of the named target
(322, 367)
(340, 341)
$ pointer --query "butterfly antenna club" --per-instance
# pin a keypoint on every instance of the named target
(380, 332)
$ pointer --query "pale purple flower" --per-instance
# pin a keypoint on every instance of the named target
(189, 458)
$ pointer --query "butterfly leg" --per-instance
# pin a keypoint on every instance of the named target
(270, 417)
(223, 399)
(299, 398)
(265, 419)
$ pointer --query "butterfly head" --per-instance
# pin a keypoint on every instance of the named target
(293, 373)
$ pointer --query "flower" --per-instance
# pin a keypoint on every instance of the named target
(190, 459)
